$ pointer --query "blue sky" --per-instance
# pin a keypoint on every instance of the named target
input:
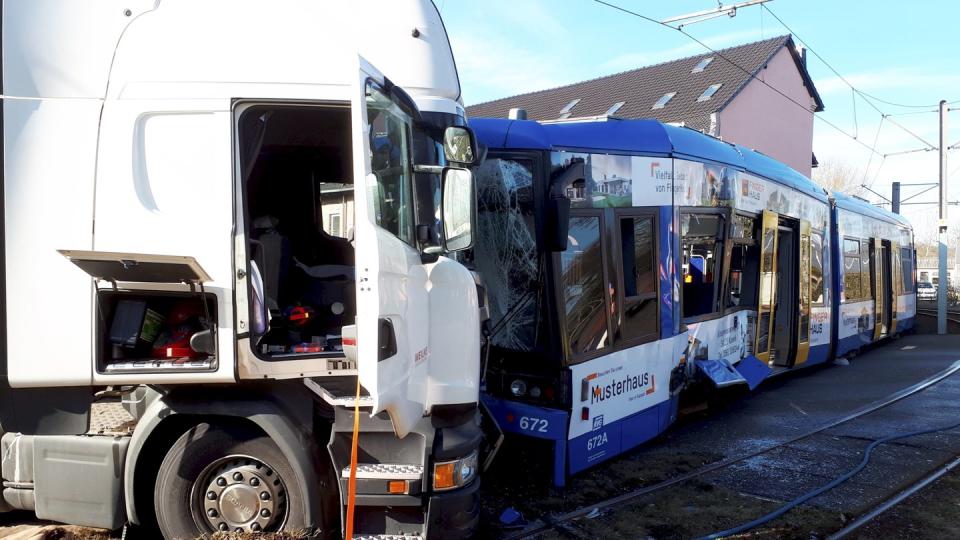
(903, 52)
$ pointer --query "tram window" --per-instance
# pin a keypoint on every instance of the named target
(816, 268)
(906, 268)
(639, 316)
(583, 287)
(742, 227)
(851, 271)
(744, 272)
(702, 248)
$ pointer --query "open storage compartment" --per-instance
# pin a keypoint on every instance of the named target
(298, 198)
(151, 330)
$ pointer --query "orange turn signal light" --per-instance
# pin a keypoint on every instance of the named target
(398, 487)
(443, 476)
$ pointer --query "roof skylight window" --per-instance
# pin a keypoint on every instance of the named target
(565, 112)
(702, 65)
(614, 108)
(709, 92)
(662, 102)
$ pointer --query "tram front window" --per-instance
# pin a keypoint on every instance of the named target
(702, 249)
(505, 253)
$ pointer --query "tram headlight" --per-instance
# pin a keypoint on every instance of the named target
(518, 387)
(535, 391)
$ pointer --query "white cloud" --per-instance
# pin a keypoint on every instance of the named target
(633, 60)
(889, 78)
(490, 69)
(919, 167)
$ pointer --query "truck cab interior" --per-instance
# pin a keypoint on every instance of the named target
(298, 195)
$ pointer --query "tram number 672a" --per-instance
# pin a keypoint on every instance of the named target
(597, 441)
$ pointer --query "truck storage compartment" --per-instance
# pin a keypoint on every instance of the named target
(149, 331)
(298, 185)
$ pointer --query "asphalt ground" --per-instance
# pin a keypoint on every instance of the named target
(778, 410)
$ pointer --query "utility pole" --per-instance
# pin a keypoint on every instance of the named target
(943, 282)
(895, 198)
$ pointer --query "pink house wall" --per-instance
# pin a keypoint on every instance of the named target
(761, 119)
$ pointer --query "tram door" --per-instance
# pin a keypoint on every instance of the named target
(782, 335)
(882, 287)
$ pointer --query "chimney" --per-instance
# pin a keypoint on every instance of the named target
(517, 113)
(803, 56)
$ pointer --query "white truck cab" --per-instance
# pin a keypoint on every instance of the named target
(235, 216)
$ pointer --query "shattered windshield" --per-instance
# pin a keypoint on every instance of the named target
(505, 253)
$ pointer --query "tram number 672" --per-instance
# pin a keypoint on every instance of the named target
(539, 425)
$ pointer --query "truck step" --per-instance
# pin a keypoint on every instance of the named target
(110, 418)
(387, 537)
(385, 471)
(338, 391)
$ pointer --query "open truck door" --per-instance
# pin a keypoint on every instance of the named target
(390, 341)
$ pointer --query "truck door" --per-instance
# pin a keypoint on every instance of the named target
(392, 324)
(763, 340)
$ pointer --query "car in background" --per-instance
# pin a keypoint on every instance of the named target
(926, 291)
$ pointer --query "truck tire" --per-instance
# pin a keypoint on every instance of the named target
(226, 478)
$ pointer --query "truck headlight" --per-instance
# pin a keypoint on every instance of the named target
(454, 474)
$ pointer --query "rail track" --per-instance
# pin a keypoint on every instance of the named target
(952, 315)
(896, 499)
(953, 318)
(556, 522)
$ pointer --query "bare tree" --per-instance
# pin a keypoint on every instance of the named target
(837, 175)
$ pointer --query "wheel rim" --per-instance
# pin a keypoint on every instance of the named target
(239, 493)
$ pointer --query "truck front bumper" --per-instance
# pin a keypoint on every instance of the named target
(454, 514)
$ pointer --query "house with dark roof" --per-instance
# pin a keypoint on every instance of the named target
(759, 95)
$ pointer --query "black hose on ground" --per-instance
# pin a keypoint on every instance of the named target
(822, 489)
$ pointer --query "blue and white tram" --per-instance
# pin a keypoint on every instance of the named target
(876, 274)
(624, 260)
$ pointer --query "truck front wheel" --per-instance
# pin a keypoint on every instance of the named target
(225, 478)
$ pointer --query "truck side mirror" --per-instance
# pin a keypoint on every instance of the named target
(458, 208)
(460, 145)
